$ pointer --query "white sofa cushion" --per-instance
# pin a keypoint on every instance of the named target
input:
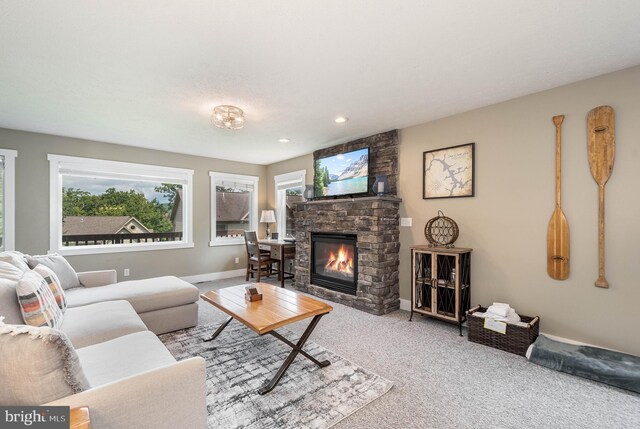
(65, 272)
(103, 321)
(97, 278)
(10, 275)
(123, 357)
(39, 365)
(144, 295)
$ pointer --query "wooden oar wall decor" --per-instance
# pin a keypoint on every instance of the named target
(558, 229)
(601, 145)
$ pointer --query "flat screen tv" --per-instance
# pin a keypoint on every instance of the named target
(343, 174)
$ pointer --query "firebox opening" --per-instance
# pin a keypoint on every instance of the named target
(334, 261)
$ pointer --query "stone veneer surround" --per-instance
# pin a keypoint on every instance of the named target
(375, 220)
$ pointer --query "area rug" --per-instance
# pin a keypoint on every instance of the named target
(239, 362)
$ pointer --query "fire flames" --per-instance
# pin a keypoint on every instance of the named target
(342, 263)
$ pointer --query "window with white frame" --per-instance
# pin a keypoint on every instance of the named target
(100, 206)
(234, 207)
(7, 199)
(289, 190)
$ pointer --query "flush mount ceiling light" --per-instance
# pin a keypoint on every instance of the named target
(228, 117)
(284, 140)
(341, 119)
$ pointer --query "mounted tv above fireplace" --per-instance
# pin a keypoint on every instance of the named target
(343, 174)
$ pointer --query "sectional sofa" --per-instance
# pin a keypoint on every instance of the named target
(130, 378)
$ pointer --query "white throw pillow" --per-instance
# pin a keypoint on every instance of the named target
(39, 365)
(16, 259)
(10, 275)
(10, 272)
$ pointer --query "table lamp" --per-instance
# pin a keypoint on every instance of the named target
(268, 217)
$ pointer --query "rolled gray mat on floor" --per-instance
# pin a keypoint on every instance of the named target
(606, 366)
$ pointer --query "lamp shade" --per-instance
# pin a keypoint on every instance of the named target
(267, 216)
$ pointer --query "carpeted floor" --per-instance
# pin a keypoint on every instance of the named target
(444, 381)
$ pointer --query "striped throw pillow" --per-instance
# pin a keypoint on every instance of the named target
(37, 303)
(54, 284)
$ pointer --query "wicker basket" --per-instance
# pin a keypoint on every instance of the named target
(516, 340)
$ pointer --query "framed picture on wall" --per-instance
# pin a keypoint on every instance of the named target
(449, 172)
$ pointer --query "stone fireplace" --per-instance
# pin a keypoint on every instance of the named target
(372, 223)
(347, 249)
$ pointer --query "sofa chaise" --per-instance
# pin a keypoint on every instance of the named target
(164, 304)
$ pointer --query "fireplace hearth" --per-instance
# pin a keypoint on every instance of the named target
(334, 261)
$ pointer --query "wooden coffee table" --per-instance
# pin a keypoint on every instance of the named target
(278, 307)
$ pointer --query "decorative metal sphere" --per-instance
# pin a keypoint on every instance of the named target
(441, 231)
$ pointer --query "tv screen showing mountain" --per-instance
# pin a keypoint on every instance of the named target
(343, 174)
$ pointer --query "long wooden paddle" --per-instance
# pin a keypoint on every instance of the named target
(558, 230)
(601, 141)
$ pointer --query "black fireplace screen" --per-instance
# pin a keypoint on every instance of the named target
(334, 262)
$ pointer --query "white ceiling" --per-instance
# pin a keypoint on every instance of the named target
(147, 73)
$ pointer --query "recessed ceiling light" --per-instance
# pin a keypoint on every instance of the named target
(284, 140)
(341, 119)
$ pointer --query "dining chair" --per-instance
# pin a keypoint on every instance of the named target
(256, 260)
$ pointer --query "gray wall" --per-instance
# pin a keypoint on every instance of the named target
(32, 205)
(506, 222)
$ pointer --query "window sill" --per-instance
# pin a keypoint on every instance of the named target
(227, 243)
(117, 248)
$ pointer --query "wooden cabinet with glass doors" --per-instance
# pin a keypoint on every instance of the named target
(441, 283)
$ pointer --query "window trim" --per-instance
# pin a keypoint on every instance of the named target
(9, 195)
(61, 164)
(282, 179)
(253, 222)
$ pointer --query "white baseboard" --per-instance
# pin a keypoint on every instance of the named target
(207, 277)
(568, 340)
(405, 304)
(577, 343)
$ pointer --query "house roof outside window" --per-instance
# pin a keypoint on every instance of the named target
(232, 206)
(82, 225)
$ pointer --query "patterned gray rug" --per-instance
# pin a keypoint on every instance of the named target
(239, 362)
